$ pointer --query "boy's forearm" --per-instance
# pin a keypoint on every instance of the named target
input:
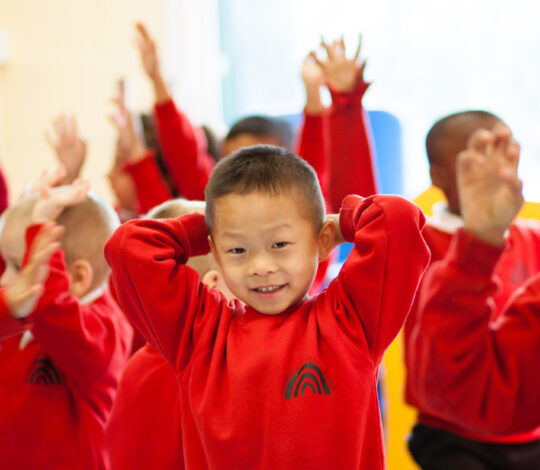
(350, 153)
(9, 325)
(314, 104)
(161, 93)
(158, 293)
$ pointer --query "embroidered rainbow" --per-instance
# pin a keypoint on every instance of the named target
(309, 376)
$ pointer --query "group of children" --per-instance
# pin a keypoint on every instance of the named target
(252, 359)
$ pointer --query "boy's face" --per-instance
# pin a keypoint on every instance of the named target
(266, 248)
(12, 246)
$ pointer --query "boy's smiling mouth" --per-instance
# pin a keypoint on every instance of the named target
(268, 289)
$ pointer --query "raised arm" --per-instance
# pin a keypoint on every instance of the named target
(138, 161)
(163, 298)
(183, 148)
(376, 286)
(20, 298)
(313, 133)
(350, 152)
(471, 370)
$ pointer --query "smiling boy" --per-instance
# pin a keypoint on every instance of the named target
(274, 380)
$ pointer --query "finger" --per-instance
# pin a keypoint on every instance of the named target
(479, 140)
(358, 48)
(142, 31)
(73, 127)
(328, 49)
(342, 43)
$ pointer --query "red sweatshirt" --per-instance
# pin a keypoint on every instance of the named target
(461, 334)
(294, 390)
(350, 165)
(149, 185)
(58, 383)
(520, 259)
(144, 430)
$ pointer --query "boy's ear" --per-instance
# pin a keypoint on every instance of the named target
(82, 275)
(211, 278)
(327, 237)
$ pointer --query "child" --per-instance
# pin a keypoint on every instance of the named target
(275, 379)
(520, 259)
(144, 430)
(459, 331)
(60, 358)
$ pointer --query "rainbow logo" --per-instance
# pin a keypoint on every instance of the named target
(45, 372)
(308, 376)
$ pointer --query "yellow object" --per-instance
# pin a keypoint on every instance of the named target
(400, 416)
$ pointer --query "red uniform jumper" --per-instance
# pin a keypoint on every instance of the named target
(294, 390)
(144, 428)
(469, 400)
(463, 333)
(58, 384)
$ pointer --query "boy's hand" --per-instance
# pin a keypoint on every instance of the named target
(22, 296)
(147, 50)
(488, 185)
(149, 59)
(313, 78)
(129, 146)
(48, 178)
(341, 74)
(51, 203)
(70, 149)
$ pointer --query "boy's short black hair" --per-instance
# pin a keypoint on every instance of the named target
(267, 169)
(264, 126)
(439, 130)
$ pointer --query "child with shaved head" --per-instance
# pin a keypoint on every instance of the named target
(437, 442)
(275, 378)
(144, 430)
(65, 342)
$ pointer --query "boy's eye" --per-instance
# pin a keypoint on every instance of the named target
(237, 251)
(280, 244)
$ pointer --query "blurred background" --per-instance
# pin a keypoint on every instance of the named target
(227, 58)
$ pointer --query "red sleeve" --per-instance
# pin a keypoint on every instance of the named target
(149, 185)
(171, 307)
(184, 153)
(81, 340)
(350, 154)
(312, 145)
(469, 370)
(375, 288)
(9, 325)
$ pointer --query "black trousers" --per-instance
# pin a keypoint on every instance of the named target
(435, 449)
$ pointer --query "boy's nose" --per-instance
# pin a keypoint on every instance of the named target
(262, 264)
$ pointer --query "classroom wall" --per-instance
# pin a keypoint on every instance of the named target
(65, 57)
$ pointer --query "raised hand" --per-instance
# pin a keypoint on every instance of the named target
(147, 49)
(22, 296)
(129, 145)
(68, 146)
(313, 78)
(489, 189)
(341, 74)
(149, 58)
(51, 203)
